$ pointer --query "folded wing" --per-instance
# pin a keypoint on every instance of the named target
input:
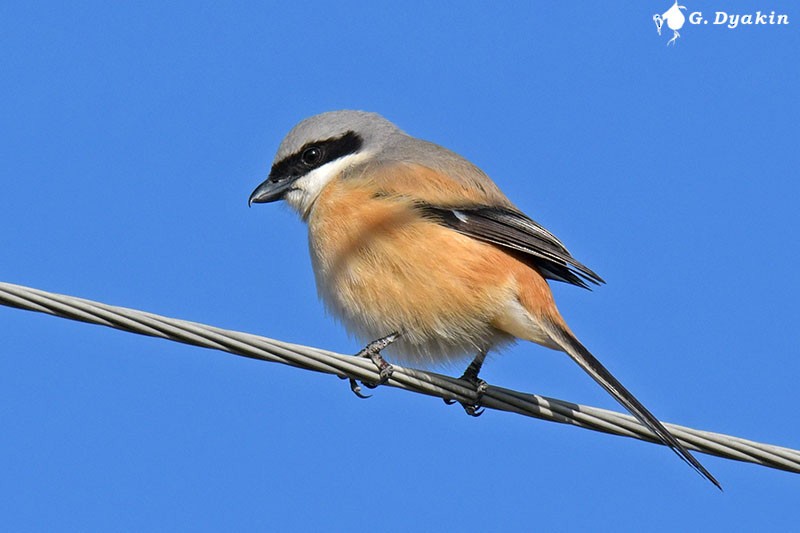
(464, 199)
(508, 228)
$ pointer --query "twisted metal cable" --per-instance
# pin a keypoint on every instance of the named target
(429, 383)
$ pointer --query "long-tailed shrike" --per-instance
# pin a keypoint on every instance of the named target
(415, 247)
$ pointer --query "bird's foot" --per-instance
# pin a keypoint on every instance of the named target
(674, 38)
(475, 408)
(372, 351)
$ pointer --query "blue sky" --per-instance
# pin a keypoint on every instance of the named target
(133, 134)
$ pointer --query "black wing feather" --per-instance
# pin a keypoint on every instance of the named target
(511, 229)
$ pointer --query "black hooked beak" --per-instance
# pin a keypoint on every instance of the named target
(271, 190)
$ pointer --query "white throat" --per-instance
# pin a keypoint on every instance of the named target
(305, 190)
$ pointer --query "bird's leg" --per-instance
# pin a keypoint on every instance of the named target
(674, 37)
(471, 375)
(373, 352)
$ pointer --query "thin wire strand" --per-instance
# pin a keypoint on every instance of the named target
(429, 383)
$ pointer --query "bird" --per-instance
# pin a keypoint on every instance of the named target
(418, 251)
(675, 21)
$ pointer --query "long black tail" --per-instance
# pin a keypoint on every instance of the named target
(600, 374)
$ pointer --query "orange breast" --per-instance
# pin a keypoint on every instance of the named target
(381, 267)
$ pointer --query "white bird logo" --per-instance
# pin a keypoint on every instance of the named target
(675, 21)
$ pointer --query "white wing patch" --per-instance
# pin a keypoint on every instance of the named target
(460, 215)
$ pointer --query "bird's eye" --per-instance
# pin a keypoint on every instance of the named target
(311, 156)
